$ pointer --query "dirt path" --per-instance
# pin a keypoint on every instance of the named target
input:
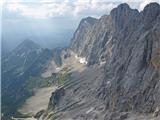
(37, 102)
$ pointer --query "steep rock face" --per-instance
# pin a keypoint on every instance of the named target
(109, 28)
(128, 42)
(81, 36)
(122, 15)
(150, 13)
(132, 72)
(55, 98)
(97, 46)
(92, 38)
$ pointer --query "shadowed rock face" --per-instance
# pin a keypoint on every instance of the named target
(133, 69)
(55, 98)
(122, 15)
(81, 38)
(129, 42)
(96, 42)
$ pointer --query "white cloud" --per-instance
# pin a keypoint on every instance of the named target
(59, 9)
(143, 3)
(1, 3)
(139, 4)
(92, 7)
(29, 10)
(42, 9)
(51, 8)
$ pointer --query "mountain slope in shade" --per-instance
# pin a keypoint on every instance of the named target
(26, 60)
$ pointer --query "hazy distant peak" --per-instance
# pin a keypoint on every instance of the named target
(26, 46)
(28, 43)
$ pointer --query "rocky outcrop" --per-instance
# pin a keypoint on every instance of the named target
(55, 98)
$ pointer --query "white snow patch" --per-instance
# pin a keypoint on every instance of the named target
(85, 22)
(90, 110)
(108, 82)
(102, 62)
(58, 69)
(109, 41)
(76, 56)
(22, 55)
(81, 60)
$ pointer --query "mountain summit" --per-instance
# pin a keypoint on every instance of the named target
(27, 45)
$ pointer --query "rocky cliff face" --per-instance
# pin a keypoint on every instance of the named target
(96, 43)
(132, 72)
(128, 41)
(81, 36)
(127, 44)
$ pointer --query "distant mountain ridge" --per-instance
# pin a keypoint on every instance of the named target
(26, 60)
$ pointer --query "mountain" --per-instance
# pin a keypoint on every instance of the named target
(101, 32)
(80, 38)
(27, 60)
(133, 68)
(110, 72)
(121, 81)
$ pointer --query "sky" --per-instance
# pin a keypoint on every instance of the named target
(51, 23)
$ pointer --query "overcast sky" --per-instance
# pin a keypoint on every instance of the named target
(52, 21)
